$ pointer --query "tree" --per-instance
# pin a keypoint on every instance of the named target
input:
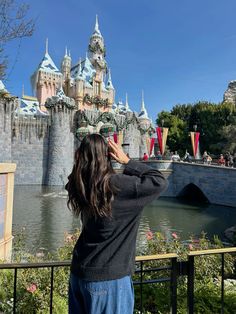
(13, 24)
(215, 122)
(177, 139)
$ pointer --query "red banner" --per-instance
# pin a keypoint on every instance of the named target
(196, 140)
(159, 138)
(151, 145)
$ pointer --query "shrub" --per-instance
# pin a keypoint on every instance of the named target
(33, 285)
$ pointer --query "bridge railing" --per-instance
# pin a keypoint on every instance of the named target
(174, 269)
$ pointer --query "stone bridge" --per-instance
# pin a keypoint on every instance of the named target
(214, 184)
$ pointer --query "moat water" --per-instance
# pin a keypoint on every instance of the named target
(43, 213)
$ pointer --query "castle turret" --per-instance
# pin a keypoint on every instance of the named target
(65, 70)
(96, 51)
(79, 86)
(145, 123)
(46, 79)
(7, 107)
(111, 89)
(61, 140)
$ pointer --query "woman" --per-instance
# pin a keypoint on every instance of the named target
(110, 205)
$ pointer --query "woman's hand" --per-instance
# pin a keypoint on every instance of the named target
(117, 152)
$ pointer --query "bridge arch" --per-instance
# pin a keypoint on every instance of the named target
(192, 192)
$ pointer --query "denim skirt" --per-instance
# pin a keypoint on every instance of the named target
(101, 297)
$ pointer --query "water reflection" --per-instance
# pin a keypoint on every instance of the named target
(43, 212)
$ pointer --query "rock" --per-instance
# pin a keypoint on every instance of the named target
(230, 93)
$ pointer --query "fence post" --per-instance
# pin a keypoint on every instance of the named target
(173, 286)
(190, 284)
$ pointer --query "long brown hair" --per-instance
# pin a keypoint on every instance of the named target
(89, 188)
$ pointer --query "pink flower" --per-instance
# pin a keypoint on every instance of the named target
(32, 288)
(174, 235)
(69, 238)
(149, 235)
(190, 247)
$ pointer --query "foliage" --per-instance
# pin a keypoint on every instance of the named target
(33, 285)
(156, 297)
(215, 122)
(14, 24)
(177, 135)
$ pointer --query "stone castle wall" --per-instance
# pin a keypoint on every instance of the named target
(6, 109)
(30, 150)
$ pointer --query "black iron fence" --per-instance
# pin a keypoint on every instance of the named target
(174, 269)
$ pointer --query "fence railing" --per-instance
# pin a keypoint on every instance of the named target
(175, 269)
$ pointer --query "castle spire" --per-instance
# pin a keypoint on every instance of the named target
(96, 28)
(46, 48)
(96, 24)
(143, 113)
(126, 102)
(66, 52)
(142, 104)
(79, 75)
(109, 81)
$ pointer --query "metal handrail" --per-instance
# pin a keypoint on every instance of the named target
(191, 273)
(176, 268)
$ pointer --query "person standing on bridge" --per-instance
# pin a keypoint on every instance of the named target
(110, 206)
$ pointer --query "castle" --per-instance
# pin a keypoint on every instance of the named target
(41, 133)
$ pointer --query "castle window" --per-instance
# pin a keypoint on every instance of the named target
(96, 88)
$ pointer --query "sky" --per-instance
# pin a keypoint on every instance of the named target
(177, 51)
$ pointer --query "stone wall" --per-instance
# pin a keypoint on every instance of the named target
(6, 109)
(30, 150)
(216, 183)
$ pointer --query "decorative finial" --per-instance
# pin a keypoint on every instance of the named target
(46, 50)
(69, 53)
(143, 113)
(126, 101)
(109, 81)
(80, 67)
(86, 55)
(66, 51)
(142, 104)
(96, 24)
(23, 90)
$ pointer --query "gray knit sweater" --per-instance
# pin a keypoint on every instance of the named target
(105, 249)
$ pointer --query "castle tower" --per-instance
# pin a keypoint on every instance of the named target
(7, 107)
(65, 70)
(145, 123)
(79, 86)
(111, 89)
(46, 79)
(61, 138)
(96, 52)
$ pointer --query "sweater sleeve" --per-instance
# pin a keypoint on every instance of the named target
(149, 182)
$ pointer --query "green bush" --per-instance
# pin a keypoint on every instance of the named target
(33, 285)
(207, 297)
